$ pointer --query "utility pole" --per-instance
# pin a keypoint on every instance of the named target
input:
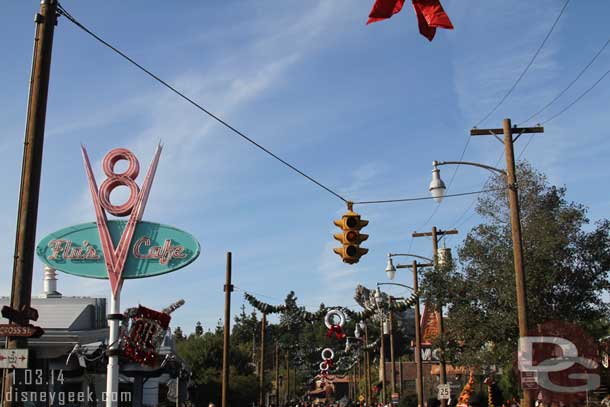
(513, 199)
(392, 360)
(367, 365)
(435, 234)
(228, 288)
(287, 376)
(27, 212)
(418, 361)
(261, 373)
(277, 374)
(382, 362)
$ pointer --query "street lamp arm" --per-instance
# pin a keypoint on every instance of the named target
(398, 284)
(410, 255)
(487, 167)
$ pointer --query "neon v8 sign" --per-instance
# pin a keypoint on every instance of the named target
(117, 249)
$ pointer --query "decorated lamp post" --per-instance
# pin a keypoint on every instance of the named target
(117, 250)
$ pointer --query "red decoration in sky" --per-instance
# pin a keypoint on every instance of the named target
(430, 14)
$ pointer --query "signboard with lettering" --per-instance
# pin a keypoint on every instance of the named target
(155, 249)
(24, 331)
(444, 392)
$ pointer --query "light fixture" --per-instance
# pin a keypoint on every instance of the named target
(378, 297)
(437, 186)
(390, 269)
(357, 331)
(362, 325)
(443, 257)
(386, 328)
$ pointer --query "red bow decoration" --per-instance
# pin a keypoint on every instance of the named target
(329, 362)
(337, 331)
(430, 14)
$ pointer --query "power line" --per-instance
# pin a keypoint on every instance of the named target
(422, 198)
(527, 67)
(582, 95)
(569, 85)
(65, 13)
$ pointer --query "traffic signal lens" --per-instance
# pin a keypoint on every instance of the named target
(351, 222)
(351, 250)
(351, 236)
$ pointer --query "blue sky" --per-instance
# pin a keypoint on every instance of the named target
(365, 109)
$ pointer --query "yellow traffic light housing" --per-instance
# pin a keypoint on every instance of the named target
(350, 224)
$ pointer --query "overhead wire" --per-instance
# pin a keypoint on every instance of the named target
(72, 19)
(582, 95)
(527, 67)
(65, 13)
(578, 76)
(512, 88)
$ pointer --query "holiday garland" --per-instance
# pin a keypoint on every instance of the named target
(263, 306)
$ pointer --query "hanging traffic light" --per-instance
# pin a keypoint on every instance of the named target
(350, 224)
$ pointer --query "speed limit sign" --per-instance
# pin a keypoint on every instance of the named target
(444, 392)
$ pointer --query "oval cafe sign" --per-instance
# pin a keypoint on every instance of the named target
(119, 249)
(155, 249)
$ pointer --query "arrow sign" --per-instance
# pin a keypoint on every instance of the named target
(26, 331)
(13, 358)
(20, 317)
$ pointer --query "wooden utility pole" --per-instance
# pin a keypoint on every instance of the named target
(436, 234)
(277, 374)
(261, 372)
(513, 199)
(228, 288)
(392, 360)
(382, 362)
(27, 212)
(418, 362)
(367, 365)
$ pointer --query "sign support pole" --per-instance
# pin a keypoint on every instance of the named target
(112, 372)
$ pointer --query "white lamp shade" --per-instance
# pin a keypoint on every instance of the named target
(437, 186)
(390, 269)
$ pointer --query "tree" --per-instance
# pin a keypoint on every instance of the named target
(178, 335)
(566, 264)
(198, 329)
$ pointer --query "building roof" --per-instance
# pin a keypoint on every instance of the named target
(67, 313)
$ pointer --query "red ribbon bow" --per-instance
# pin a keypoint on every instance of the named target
(336, 331)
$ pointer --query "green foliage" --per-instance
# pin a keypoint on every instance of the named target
(566, 264)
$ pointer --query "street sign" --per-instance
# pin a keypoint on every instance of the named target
(27, 331)
(529, 380)
(27, 314)
(155, 249)
(13, 358)
(444, 392)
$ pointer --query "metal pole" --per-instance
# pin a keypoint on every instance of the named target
(392, 360)
(382, 363)
(513, 200)
(441, 324)
(112, 370)
(261, 374)
(277, 374)
(27, 212)
(420, 375)
(226, 349)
